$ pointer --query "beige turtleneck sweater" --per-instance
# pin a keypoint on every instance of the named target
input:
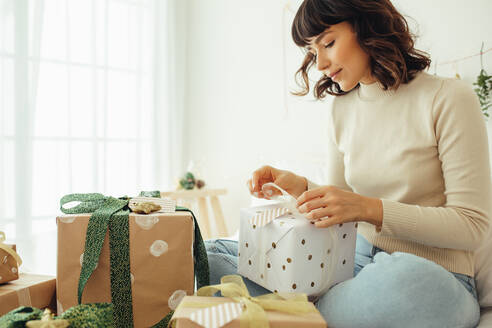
(423, 151)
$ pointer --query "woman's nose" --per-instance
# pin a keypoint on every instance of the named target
(322, 63)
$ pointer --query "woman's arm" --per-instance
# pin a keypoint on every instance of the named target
(462, 221)
(462, 142)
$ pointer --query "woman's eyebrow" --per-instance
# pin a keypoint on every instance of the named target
(319, 37)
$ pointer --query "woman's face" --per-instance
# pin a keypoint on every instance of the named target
(339, 56)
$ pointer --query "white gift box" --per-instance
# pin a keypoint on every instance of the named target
(289, 254)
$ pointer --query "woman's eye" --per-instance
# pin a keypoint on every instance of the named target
(329, 45)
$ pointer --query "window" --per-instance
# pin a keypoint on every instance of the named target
(77, 111)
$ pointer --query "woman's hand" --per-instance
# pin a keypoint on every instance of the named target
(328, 205)
(290, 182)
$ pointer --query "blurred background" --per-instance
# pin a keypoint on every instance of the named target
(119, 96)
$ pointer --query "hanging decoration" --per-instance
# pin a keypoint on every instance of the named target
(483, 87)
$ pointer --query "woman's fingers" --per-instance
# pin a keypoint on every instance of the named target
(258, 175)
(310, 194)
(270, 192)
(263, 175)
(323, 218)
(318, 214)
(328, 222)
(311, 205)
(258, 194)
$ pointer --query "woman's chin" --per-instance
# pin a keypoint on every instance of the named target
(345, 87)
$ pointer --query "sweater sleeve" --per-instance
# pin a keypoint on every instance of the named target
(334, 169)
(462, 144)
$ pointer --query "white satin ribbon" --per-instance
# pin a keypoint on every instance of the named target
(286, 205)
(287, 200)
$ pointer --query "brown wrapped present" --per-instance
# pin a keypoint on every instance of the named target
(191, 314)
(9, 261)
(161, 264)
(29, 290)
(237, 308)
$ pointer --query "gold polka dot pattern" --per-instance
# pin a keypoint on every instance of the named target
(287, 253)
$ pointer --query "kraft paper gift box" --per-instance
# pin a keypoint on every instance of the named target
(217, 316)
(29, 290)
(238, 309)
(282, 251)
(9, 261)
(161, 264)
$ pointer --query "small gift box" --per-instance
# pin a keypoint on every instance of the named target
(237, 309)
(29, 290)
(9, 261)
(282, 251)
(143, 264)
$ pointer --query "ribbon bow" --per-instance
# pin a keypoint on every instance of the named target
(113, 213)
(253, 309)
(287, 205)
(9, 249)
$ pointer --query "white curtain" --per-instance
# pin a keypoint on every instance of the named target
(85, 106)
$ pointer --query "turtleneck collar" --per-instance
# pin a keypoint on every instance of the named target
(374, 91)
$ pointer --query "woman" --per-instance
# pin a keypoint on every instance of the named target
(408, 158)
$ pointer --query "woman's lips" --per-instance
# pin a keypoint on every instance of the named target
(334, 76)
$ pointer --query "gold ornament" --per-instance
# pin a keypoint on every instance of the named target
(144, 207)
(47, 321)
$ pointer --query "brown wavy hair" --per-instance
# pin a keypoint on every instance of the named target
(382, 32)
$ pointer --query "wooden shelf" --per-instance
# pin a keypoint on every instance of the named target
(194, 193)
(201, 195)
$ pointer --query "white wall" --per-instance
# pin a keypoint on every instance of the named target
(239, 116)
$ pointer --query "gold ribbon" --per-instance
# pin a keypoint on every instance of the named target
(9, 249)
(254, 315)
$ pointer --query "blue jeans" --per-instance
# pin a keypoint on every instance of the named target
(397, 290)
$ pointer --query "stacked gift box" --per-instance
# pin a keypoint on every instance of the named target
(29, 290)
(22, 289)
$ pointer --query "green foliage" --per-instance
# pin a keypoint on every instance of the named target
(483, 90)
(188, 182)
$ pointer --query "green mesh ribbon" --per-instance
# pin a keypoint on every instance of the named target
(89, 315)
(17, 318)
(79, 316)
(202, 273)
(112, 213)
